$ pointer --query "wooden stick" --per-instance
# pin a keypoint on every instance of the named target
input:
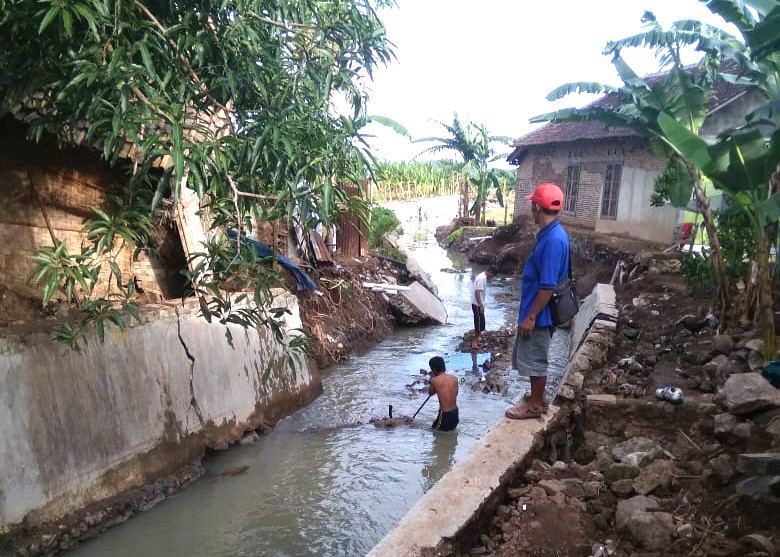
(689, 440)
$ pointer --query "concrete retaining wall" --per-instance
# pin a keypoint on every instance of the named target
(82, 428)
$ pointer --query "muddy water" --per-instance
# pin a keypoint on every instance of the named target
(324, 481)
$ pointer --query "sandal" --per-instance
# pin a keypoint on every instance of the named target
(522, 412)
(545, 402)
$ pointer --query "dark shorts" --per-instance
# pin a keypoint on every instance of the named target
(446, 421)
(479, 319)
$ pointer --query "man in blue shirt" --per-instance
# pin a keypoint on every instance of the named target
(545, 267)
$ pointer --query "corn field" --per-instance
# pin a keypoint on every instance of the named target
(401, 181)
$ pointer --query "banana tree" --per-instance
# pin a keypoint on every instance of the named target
(744, 166)
(745, 163)
(473, 143)
(681, 92)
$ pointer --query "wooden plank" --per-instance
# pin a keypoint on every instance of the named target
(321, 251)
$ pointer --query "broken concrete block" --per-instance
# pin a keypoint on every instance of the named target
(747, 392)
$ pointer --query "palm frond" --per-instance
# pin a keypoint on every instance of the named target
(579, 87)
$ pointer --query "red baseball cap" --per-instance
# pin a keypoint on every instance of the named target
(547, 196)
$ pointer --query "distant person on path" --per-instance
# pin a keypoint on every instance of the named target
(545, 267)
(478, 288)
(445, 386)
(419, 214)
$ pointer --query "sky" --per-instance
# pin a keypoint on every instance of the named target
(494, 61)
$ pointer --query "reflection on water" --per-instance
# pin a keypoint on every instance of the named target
(324, 481)
(441, 459)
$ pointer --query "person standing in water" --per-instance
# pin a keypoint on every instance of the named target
(445, 386)
(478, 290)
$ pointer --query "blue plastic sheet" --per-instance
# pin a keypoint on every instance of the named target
(302, 280)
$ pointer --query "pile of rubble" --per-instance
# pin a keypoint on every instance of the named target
(625, 472)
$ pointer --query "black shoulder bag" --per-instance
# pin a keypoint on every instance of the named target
(563, 303)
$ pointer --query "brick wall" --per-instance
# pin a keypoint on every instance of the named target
(68, 183)
(550, 164)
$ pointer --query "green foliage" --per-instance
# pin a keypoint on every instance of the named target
(76, 277)
(699, 274)
(737, 242)
(383, 221)
(233, 286)
(454, 236)
(229, 99)
(475, 145)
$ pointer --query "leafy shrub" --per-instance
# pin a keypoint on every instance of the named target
(699, 274)
(383, 221)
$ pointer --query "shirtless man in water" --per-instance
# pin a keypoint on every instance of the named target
(446, 388)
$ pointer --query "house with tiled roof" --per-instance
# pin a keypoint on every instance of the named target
(608, 174)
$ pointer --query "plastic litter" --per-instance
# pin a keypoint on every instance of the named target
(670, 394)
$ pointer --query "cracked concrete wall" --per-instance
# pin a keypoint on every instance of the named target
(82, 428)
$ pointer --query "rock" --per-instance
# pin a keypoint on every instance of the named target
(618, 472)
(719, 470)
(755, 345)
(744, 430)
(551, 487)
(725, 424)
(747, 392)
(623, 487)
(718, 369)
(773, 429)
(651, 530)
(537, 493)
(591, 490)
(759, 464)
(755, 360)
(567, 392)
(755, 485)
(570, 486)
(576, 380)
(657, 474)
(627, 507)
(765, 416)
(722, 344)
(559, 465)
(249, 439)
(637, 451)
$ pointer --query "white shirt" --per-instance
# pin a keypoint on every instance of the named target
(480, 283)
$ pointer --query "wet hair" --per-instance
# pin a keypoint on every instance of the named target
(437, 364)
(492, 269)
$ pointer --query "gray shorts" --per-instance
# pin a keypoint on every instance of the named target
(529, 357)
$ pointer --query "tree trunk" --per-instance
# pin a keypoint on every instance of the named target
(766, 315)
(715, 252)
(765, 282)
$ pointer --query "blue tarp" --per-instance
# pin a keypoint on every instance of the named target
(302, 280)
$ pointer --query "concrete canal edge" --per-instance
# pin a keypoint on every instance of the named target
(454, 508)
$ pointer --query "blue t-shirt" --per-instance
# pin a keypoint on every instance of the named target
(547, 265)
